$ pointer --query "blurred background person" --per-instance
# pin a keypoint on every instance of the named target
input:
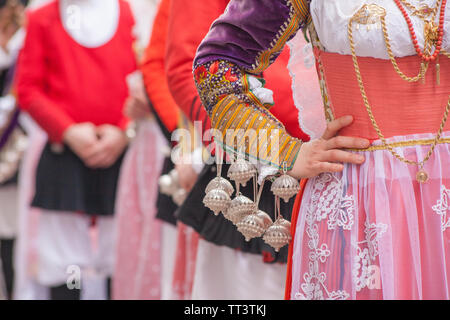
(12, 137)
(139, 266)
(227, 266)
(71, 79)
(178, 243)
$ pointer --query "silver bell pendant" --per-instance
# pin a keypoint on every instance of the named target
(179, 196)
(220, 183)
(168, 183)
(279, 233)
(240, 207)
(241, 171)
(285, 186)
(255, 224)
(219, 190)
(217, 200)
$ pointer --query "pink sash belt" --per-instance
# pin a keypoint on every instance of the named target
(400, 108)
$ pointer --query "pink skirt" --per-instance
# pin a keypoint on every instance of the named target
(137, 269)
(374, 232)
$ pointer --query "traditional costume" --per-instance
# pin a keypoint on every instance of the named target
(178, 243)
(138, 267)
(25, 286)
(72, 71)
(219, 238)
(12, 147)
(379, 230)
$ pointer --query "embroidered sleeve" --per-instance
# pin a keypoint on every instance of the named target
(241, 44)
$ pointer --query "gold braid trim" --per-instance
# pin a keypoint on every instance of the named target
(400, 144)
(298, 15)
(245, 129)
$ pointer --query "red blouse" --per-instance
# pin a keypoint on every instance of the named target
(60, 82)
(152, 68)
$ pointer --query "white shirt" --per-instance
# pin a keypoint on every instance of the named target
(91, 23)
(331, 18)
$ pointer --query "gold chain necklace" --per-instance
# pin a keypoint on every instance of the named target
(424, 11)
(431, 30)
(369, 14)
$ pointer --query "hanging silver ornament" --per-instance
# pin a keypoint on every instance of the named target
(278, 234)
(239, 208)
(254, 225)
(11, 154)
(241, 171)
(220, 183)
(166, 185)
(174, 175)
(217, 200)
(179, 196)
(285, 186)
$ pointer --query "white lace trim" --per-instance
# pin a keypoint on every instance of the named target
(365, 271)
(330, 202)
(325, 200)
(442, 208)
(257, 88)
(307, 94)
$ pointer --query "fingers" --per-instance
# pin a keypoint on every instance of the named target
(334, 126)
(341, 142)
(330, 167)
(343, 157)
(94, 156)
(102, 159)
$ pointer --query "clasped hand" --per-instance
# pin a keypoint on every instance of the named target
(98, 147)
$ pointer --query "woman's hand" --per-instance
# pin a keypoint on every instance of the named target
(137, 108)
(325, 154)
(82, 139)
(112, 141)
(97, 147)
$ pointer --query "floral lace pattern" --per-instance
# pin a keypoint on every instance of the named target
(442, 207)
(330, 202)
(326, 201)
(365, 271)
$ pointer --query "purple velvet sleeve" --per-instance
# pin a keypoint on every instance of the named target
(244, 41)
(245, 30)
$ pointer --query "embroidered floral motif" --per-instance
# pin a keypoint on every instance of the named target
(343, 215)
(218, 79)
(326, 201)
(365, 272)
(331, 204)
(237, 111)
(442, 208)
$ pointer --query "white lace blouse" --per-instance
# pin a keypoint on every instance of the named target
(331, 18)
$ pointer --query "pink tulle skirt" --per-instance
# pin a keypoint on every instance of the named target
(137, 270)
(374, 232)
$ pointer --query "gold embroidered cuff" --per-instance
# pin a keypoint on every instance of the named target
(242, 128)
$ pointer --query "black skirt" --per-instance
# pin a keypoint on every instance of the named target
(164, 204)
(220, 231)
(64, 183)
